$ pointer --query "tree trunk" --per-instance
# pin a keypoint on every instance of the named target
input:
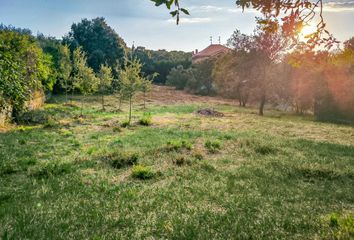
(130, 110)
(261, 106)
(82, 106)
(120, 103)
(103, 108)
(144, 100)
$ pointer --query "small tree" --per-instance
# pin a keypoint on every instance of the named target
(146, 86)
(130, 82)
(84, 78)
(105, 77)
(65, 68)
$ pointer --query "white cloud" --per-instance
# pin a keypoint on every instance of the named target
(190, 20)
(339, 6)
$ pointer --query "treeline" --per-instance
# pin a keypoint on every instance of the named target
(268, 67)
(89, 59)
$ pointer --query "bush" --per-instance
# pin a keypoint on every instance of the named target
(142, 172)
(146, 119)
(213, 146)
(120, 159)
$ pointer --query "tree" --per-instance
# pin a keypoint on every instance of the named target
(83, 77)
(100, 42)
(201, 78)
(130, 82)
(161, 62)
(23, 68)
(349, 44)
(249, 71)
(65, 68)
(178, 77)
(105, 82)
(146, 85)
(231, 75)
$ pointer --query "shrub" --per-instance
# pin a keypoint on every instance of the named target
(146, 119)
(142, 172)
(213, 146)
(120, 159)
(50, 123)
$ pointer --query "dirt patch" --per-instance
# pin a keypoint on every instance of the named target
(210, 112)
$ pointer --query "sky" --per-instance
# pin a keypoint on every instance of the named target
(141, 22)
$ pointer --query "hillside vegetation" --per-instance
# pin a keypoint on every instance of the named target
(184, 176)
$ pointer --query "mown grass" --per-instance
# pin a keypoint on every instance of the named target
(183, 177)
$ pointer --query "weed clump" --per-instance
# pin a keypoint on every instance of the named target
(178, 146)
(120, 159)
(50, 170)
(142, 172)
(145, 120)
(213, 146)
(182, 160)
(339, 226)
(117, 129)
(197, 154)
(125, 124)
(50, 123)
(259, 147)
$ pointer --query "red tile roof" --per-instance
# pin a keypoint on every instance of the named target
(212, 50)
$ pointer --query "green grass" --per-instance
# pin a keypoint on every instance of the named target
(272, 177)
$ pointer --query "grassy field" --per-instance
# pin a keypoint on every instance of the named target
(183, 177)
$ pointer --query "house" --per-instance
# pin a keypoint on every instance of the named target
(213, 50)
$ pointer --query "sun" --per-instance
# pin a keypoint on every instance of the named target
(307, 30)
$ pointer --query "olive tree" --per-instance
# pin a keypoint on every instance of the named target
(130, 82)
(105, 77)
(84, 78)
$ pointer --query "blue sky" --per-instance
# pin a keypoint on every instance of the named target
(140, 21)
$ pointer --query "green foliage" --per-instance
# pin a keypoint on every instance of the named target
(340, 227)
(213, 146)
(178, 145)
(23, 68)
(202, 83)
(179, 77)
(105, 77)
(51, 169)
(146, 119)
(84, 78)
(161, 62)
(65, 68)
(130, 82)
(125, 124)
(100, 42)
(142, 172)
